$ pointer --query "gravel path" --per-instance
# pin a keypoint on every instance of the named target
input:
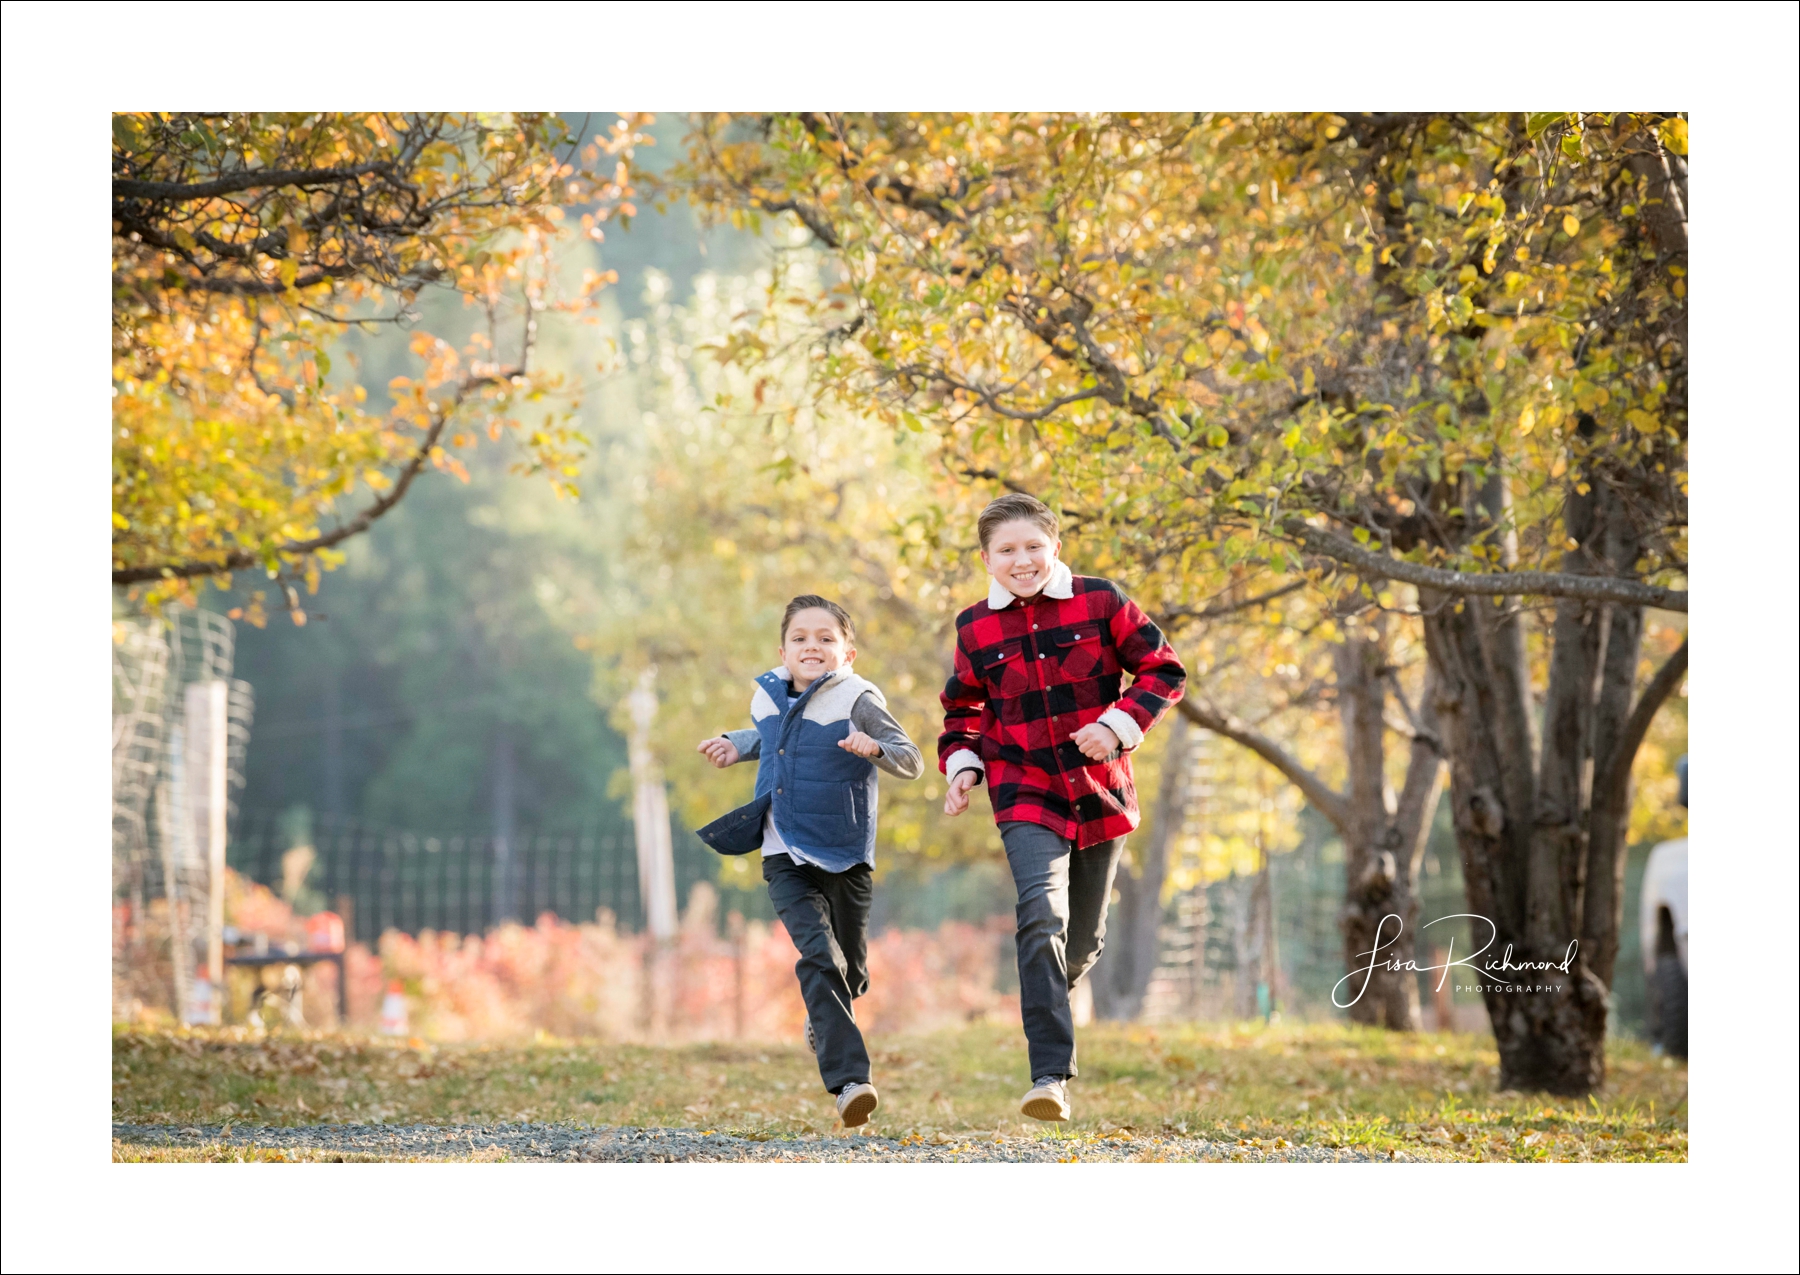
(575, 1143)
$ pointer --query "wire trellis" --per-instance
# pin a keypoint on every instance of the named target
(159, 849)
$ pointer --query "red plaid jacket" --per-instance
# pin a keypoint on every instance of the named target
(1028, 676)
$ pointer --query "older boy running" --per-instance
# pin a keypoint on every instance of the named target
(1034, 703)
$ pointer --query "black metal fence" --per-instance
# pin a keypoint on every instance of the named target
(385, 878)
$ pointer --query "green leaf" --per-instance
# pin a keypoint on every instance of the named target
(1537, 121)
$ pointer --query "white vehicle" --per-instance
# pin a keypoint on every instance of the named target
(1663, 935)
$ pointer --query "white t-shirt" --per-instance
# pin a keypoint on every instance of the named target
(773, 844)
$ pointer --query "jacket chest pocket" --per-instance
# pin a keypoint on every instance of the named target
(1003, 667)
(1082, 653)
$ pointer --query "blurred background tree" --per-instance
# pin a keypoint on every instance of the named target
(735, 494)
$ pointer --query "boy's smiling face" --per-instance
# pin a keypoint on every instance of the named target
(1020, 555)
(813, 646)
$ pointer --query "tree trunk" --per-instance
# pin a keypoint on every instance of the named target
(1405, 837)
(1371, 875)
(504, 776)
(335, 784)
(1384, 839)
(1122, 977)
(1543, 847)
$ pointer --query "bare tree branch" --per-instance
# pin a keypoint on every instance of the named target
(1414, 728)
(250, 179)
(1217, 609)
(1553, 584)
(810, 217)
(1333, 805)
(268, 287)
(1668, 677)
(990, 399)
(241, 559)
(1410, 827)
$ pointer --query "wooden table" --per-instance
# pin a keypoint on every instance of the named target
(303, 958)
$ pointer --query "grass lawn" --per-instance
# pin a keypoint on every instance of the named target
(1430, 1095)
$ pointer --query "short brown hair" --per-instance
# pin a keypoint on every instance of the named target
(807, 600)
(1012, 507)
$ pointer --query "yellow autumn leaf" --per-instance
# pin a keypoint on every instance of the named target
(1675, 135)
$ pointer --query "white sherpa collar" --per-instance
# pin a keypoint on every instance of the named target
(787, 675)
(1062, 585)
(836, 695)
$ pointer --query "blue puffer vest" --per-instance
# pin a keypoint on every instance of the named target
(824, 797)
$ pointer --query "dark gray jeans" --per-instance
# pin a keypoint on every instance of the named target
(827, 917)
(1063, 895)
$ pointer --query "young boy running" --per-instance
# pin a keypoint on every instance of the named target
(1034, 705)
(820, 733)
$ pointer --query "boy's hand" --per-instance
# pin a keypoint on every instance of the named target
(1096, 742)
(956, 800)
(720, 751)
(860, 744)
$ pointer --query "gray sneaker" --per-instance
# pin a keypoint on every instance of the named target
(856, 1103)
(1048, 1099)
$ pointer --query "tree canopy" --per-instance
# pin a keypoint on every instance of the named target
(246, 245)
(1264, 340)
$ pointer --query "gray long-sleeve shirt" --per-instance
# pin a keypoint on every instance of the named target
(899, 756)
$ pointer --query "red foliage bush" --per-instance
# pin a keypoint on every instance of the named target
(596, 981)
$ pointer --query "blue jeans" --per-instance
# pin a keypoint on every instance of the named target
(1063, 896)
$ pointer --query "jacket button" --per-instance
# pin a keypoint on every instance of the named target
(778, 792)
(781, 752)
